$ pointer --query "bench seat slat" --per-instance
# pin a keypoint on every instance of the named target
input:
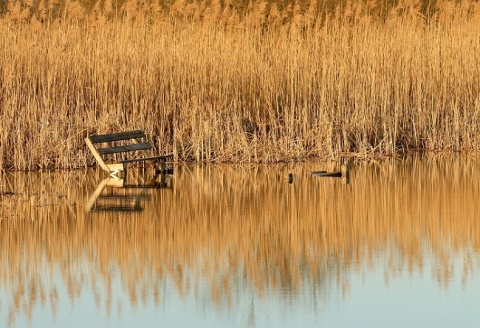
(141, 159)
(117, 136)
(123, 149)
(146, 186)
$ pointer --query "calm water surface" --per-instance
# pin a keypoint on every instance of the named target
(398, 245)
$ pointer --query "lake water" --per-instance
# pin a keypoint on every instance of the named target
(398, 245)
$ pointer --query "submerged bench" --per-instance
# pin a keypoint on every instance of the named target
(106, 148)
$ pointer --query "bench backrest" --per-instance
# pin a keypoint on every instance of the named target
(116, 143)
(138, 142)
(100, 138)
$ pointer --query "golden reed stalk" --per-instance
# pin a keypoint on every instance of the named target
(211, 81)
(238, 228)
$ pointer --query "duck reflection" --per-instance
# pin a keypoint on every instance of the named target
(127, 194)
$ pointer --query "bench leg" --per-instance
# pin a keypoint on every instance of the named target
(162, 169)
(163, 165)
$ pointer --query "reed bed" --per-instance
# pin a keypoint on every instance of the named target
(224, 230)
(216, 81)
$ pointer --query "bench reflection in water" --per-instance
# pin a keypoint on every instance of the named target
(127, 194)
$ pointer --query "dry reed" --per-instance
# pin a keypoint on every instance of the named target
(210, 81)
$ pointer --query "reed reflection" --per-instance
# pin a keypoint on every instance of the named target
(221, 233)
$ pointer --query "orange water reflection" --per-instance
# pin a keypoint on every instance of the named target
(235, 228)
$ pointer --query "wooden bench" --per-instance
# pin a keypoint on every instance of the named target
(108, 148)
